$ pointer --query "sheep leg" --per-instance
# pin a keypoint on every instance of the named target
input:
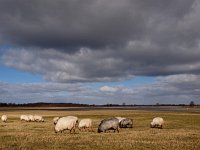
(72, 130)
(160, 126)
(118, 129)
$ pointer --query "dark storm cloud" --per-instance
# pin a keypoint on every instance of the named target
(101, 40)
(70, 24)
(89, 23)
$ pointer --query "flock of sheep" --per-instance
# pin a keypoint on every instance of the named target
(29, 118)
(71, 122)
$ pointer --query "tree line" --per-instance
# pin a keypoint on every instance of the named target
(41, 104)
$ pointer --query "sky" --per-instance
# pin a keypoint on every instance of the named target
(100, 51)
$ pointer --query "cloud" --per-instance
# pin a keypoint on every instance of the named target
(88, 65)
(39, 92)
(108, 89)
(83, 66)
(100, 40)
(95, 23)
(69, 23)
(174, 89)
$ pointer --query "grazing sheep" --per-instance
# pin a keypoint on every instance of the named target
(65, 123)
(38, 118)
(85, 124)
(73, 117)
(120, 118)
(4, 118)
(126, 123)
(31, 118)
(22, 117)
(109, 124)
(25, 118)
(55, 120)
(157, 123)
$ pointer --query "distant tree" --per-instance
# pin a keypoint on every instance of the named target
(123, 103)
(192, 103)
(157, 104)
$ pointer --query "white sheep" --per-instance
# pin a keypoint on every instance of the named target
(55, 120)
(38, 118)
(25, 118)
(85, 124)
(120, 118)
(73, 117)
(31, 118)
(157, 123)
(4, 118)
(65, 123)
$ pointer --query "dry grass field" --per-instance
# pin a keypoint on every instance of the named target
(181, 131)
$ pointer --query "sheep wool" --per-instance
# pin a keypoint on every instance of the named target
(65, 123)
(25, 118)
(38, 118)
(55, 120)
(4, 118)
(157, 123)
(85, 124)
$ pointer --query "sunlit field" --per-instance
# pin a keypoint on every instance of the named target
(181, 131)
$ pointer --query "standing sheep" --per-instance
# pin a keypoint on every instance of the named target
(157, 123)
(85, 124)
(109, 124)
(4, 118)
(65, 123)
(126, 123)
(55, 120)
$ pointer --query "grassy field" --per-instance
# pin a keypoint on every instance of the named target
(181, 131)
